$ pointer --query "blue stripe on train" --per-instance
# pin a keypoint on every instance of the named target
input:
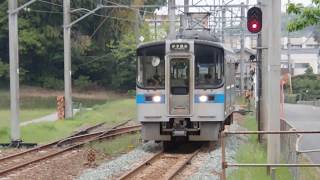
(141, 99)
(218, 98)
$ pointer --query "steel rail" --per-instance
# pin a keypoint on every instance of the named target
(141, 166)
(150, 160)
(46, 145)
(111, 134)
(80, 135)
(74, 136)
(184, 164)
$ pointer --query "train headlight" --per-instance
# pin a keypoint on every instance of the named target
(156, 99)
(203, 98)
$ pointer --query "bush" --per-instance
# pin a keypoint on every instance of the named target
(131, 93)
(291, 98)
(52, 83)
(83, 83)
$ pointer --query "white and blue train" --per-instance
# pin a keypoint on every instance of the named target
(185, 89)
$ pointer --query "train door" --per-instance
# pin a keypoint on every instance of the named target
(180, 89)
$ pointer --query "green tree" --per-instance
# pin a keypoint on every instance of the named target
(41, 44)
(306, 16)
(308, 71)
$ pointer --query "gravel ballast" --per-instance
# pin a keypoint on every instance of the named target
(208, 162)
(211, 161)
(122, 164)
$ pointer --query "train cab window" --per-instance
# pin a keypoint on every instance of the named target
(151, 68)
(209, 66)
(151, 72)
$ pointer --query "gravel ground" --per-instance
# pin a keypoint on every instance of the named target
(122, 164)
(206, 165)
(211, 161)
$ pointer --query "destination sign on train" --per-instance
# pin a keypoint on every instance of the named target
(180, 46)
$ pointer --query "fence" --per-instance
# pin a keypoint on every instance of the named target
(313, 103)
(290, 151)
(289, 138)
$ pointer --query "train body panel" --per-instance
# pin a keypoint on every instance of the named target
(185, 88)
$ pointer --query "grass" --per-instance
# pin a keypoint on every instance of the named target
(43, 102)
(25, 115)
(112, 112)
(241, 100)
(308, 173)
(253, 152)
(119, 145)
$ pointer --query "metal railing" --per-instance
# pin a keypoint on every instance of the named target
(291, 161)
(290, 151)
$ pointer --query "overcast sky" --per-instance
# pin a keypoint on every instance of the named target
(251, 2)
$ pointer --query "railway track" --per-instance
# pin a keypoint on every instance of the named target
(162, 165)
(19, 160)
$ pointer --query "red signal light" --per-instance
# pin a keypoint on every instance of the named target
(254, 20)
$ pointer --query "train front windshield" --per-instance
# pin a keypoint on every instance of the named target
(151, 67)
(209, 65)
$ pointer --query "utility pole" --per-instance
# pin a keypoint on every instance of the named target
(242, 58)
(137, 23)
(155, 27)
(186, 7)
(172, 19)
(67, 59)
(185, 18)
(289, 56)
(274, 56)
(14, 72)
(223, 22)
(231, 25)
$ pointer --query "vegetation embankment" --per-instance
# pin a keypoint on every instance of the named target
(112, 112)
(253, 152)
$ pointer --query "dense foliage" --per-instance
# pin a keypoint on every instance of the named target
(305, 17)
(307, 85)
(102, 44)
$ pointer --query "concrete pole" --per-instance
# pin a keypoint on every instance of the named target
(265, 7)
(231, 25)
(289, 58)
(14, 71)
(186, 10)
(67, 59)
(137, 26)
(155, 27)
(186, 6)
(223, 25)
(242, 56)
(274, 56)
(172, 19)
